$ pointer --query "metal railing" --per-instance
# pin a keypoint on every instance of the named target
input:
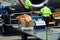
(13, 15)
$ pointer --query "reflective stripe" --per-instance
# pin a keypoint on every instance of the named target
(46, 15)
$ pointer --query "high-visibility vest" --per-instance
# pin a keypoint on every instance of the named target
(45, 11)
(28, 4)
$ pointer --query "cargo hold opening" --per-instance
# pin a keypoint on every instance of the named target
(37, 1)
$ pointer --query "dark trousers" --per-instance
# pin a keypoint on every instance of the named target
(46, 19)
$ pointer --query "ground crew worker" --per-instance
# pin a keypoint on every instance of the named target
(28, 5)
(46, 14)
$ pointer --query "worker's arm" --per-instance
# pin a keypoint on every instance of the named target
(50, 11)
(51, 14)
(28, 5)
(21, 2)
(31, 8)
(41, 11)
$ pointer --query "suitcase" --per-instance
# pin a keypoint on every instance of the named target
(40, 25)
(39, 22)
